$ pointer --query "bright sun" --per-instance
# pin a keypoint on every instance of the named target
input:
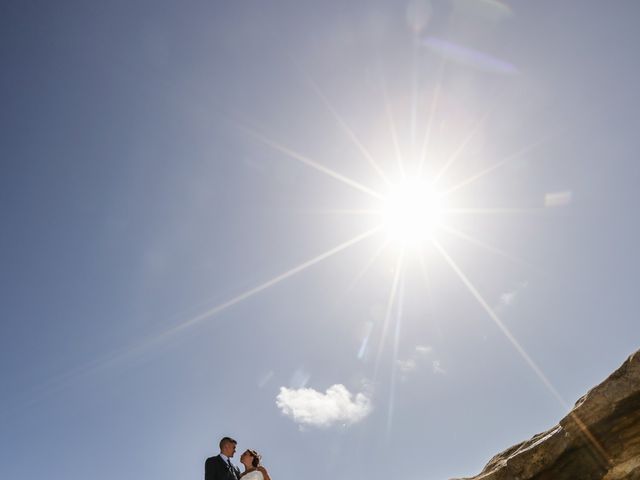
(412, 212)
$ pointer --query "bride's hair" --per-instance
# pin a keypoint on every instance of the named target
(256, 458)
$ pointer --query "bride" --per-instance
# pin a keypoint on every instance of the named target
(252, 468)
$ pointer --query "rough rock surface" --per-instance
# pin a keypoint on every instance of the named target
(598, 440)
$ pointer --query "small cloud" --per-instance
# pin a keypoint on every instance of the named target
(437, 368)
(406, 366)
(558, 199)
(337, 405)
(417, 358)
(423, 349)
(508, 299)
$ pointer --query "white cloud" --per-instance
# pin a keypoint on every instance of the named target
(337, 405)
(508, 299)
(418, 358)
(406, 365)
(423, 349)
(558, 199)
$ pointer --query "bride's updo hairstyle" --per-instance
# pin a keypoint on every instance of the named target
(255, 458)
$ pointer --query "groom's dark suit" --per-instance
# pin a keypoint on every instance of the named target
(216, 468)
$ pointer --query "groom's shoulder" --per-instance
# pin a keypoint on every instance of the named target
(213, 459)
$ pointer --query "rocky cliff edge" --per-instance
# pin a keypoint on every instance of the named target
(598, 440)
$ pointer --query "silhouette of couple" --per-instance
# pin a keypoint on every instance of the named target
(221, 468)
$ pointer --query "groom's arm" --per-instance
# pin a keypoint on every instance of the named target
(209, 469)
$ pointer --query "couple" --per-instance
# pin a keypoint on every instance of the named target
(221, 468)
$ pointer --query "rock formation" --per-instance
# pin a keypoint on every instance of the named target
(598, 440)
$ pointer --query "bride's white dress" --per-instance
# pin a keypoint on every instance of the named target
(255, 475)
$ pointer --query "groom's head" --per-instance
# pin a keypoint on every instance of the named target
(228, 446)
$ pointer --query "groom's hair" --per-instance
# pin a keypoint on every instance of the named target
(226, 440)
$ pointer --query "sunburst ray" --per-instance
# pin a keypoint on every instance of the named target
(369, 264)
(311, 163)
(432, 115)
(394, 358)
(122, 354)
(491, 211)
(483, 303)
(277, 279)
(388, 312)
(341, 211)
(488, 247)
(594, 443)
(519, 154)
(429, 297)
(462, 147)
(414, 97)
(393, 131)
(349, 132)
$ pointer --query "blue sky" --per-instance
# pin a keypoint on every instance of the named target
(181, 181)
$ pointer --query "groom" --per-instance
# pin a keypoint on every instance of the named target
(220, 466)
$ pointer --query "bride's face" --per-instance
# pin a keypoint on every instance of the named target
(246, 459)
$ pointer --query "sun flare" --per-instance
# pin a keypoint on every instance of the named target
(415, 212)
(412, 212)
